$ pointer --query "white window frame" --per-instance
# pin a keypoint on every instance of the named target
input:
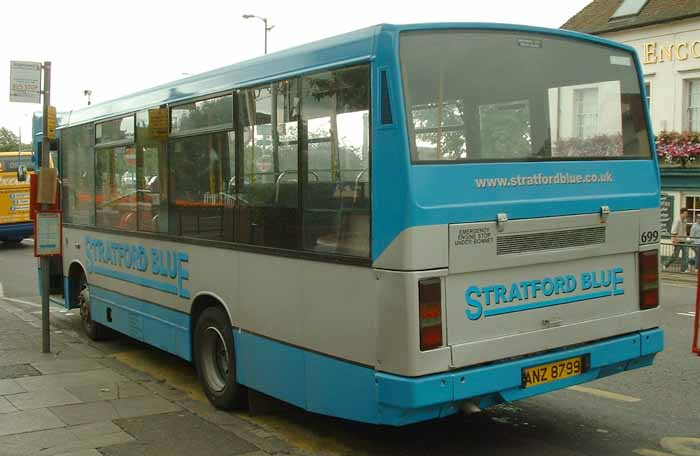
(579, 115)
(692, 112)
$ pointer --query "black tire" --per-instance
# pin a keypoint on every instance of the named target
(94, 330)
(214, 357)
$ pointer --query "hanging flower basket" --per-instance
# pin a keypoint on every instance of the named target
(678, 149)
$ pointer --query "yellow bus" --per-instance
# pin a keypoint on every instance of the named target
(15, 224)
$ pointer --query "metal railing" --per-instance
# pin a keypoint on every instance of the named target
(680, 255)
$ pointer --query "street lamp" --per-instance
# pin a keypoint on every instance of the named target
(264, 19)
(88, 94)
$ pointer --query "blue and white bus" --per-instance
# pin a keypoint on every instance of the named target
(385, 226)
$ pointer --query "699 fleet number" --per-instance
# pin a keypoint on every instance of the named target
(649, 237)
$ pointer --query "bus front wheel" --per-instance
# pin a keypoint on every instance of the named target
(215, 360)
(94, 330)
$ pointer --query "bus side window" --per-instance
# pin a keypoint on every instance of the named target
(78, 175)
(269, 200)
(151, 174)
(201, 200)
(336, 191)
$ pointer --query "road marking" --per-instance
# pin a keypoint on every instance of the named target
(21, 301)
(678, 446)
(682, 446)
(605, 394)
(2, 292)
(686, 314)
(648, 452)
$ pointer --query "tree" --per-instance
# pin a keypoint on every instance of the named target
(8, 140)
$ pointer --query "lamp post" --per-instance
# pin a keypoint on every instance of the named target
(264, 19)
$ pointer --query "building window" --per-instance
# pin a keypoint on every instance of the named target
(694, 105)
(629, 8)
(586, 108)
(647, 88)
(692, 203)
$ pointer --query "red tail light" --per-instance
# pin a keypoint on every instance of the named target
(430, 313)
(648, 279)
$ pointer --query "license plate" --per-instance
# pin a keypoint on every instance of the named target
(545, 373)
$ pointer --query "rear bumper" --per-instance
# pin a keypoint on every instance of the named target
(16, 230)
(405, 400)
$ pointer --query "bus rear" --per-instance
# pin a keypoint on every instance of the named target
(15, 224)
(528, 244)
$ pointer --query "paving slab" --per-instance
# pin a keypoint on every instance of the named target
(10, 386)
(97, 429)
(42, 399)
(85, 413)
(177, 434)
(61, 366)
(35, 442)
(70, 379)
(67, 440)
(85, 349)
(6, 406)
(18, 371)
(90, 452)
(107, 391)
(141, 406)
(28, 421)
(30, 355)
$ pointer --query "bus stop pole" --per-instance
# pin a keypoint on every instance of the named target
(44, 262)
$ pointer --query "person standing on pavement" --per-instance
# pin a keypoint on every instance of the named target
(695, 239)
(678, 238)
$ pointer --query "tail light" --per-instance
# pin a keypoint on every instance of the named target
(430, 313)
(648, 279)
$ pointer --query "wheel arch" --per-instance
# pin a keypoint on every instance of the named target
(202, 301)
(75, 269)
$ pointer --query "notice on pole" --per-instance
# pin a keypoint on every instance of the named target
(51, 122)
(25, 82)
(47, 233)
(158, 123)
(666, 213)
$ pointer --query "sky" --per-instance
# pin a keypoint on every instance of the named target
(116, 48)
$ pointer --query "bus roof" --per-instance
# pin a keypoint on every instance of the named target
(345, 49)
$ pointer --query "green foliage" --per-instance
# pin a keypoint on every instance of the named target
(10, 142)
(505, 131)
(451, 141)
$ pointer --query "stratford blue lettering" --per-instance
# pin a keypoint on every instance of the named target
(182, 274)
(475, 313)
(492, 300)
(617, 280)
(118, 260)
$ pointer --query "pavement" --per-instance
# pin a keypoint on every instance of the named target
(80, 400)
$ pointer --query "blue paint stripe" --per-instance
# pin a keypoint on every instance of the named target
(125, 276)
(553, 302)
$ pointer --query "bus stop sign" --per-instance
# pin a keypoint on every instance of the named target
(25, 82)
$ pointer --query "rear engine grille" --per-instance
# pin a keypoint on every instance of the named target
(533, 242)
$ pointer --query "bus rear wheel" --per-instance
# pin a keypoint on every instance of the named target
(215, 360)
(94, 330)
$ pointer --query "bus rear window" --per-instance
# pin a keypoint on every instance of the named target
(506, 96)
